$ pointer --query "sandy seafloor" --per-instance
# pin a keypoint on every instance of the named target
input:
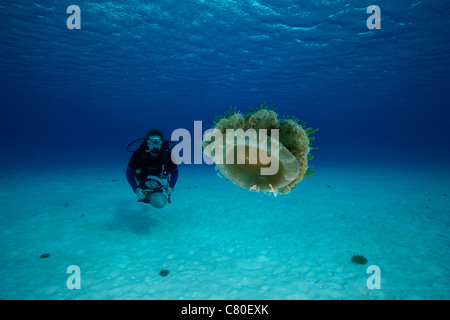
(219, 241)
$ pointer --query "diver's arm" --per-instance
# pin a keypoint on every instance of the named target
(131, 178)
(132, 181)
(173, 178)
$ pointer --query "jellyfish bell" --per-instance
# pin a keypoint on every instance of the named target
(272, 159)
(254, 160)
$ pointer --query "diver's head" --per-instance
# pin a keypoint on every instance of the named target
(154, 141)
(154, 144)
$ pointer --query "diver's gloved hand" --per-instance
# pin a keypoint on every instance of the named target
(140, 193)
(169, 190)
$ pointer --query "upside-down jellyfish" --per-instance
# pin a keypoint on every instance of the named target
(263, 153)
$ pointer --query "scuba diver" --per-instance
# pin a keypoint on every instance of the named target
(151, 172)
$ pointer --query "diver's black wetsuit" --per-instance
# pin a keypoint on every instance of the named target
(142, 165)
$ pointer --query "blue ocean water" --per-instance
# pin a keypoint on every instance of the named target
(75, 98)
(376, 95)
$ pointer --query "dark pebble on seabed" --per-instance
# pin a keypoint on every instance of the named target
(359, 259)
(45, 255)
(164, 273)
